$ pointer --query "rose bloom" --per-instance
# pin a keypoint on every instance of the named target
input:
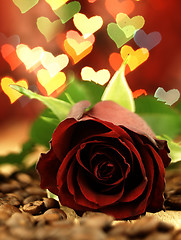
(106, 159)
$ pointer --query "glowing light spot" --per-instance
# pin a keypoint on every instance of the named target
(100, 77)
(51, 84)
(136, 58)
(49, 29)
(170, 97)
(30, 57)
(87, 26)
(11, 93)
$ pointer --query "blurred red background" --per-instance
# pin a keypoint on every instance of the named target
(162, 69)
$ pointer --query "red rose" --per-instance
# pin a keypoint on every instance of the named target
(106, 159)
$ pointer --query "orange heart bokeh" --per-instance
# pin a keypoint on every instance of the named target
(9, 54)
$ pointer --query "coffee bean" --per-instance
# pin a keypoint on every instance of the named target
(86, 233)
(22, 233)
(97, 220)
(120, 229)
(10, 199)
(16, 195)
(143, 227)
(50, 203)
(48, 232)
(31, 198)
(159, 236)
(57, 211)
(177, 235)
(165, 227)
(36, 191)
(9, 209)
(4, 216)
(9, 187)
(174, 202)
(24, 178)
(34, 208)
(22, 193)
(20, 219)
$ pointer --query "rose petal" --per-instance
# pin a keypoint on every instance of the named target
(88, 190)
(163, 152)
(157, 199)
(62, 136)
(47, 168)
(78, 109)
(74, 188)
(118, 115)
(64, 167)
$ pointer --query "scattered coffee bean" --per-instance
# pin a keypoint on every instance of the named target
(34, 208)
(36, 191)
(97, 220)
(20, 220)
(61, 214)
(31, 198)
(159, 236)
(9, 187)
(10, 209)
(24, 178)
(50, 203)
(143, 227)
(10, 199)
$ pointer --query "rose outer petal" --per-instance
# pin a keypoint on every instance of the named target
(157, 199)
(62, 136)
(112, 112)
(47, 168)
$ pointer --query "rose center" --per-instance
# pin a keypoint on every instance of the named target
(105, 170)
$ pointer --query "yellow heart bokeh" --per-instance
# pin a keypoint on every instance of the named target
(55, 4)
(51, 84)
(123, 20)
(135, 58)
(49, 29)
(100, 77)
(87, 26)
(30, 57)
(54, 64)
(11, 93)
(77, 50)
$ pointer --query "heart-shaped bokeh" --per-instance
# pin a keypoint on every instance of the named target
(25, 5)
(56, 4)
(10, 56)
(115, 6)
(54, 64)
(135, 58)
(100, 77)
(11, 93)
(49, 29)
(170, 97)
(51, 84)
(148, 41)
(30, 57)
(67, 11)
(87, 26)
(76, 46)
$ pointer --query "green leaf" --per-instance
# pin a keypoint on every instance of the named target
(52, 195)
(17, 159)
(58, 107)
(43, 128)
(163, 119)
(118, 90)
(81, 90)
(175, 148)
